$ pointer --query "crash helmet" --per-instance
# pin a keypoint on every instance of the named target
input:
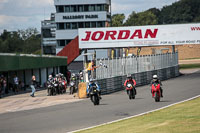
(91, 80)
(50, 77)
(73, 75)
(155, 77)
(129, 76)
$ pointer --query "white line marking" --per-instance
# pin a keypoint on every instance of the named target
(135, 115)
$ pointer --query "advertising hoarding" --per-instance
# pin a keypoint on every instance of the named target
(134, 36)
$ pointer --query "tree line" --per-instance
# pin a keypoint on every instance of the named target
(22, 41)
(183, 11)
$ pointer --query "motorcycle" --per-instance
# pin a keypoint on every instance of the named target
(51, 89)
(72, 87)
(94, 95)
(63, 87)
(155, 89)
(131, 91)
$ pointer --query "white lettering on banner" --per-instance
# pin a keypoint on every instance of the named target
(138, 36)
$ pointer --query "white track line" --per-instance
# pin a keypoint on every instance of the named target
(136, 115)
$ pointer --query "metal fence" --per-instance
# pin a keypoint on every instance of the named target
(136, 64)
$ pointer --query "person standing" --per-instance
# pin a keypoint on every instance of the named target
(33, 85)
(68, 77)
(16, 84)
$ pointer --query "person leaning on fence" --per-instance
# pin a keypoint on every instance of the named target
(91, 67)
(33, 85)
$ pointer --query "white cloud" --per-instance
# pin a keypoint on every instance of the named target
(21, 14)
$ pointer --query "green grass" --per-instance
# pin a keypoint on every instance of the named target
(188, 66)
(180, 118)
(192, 58)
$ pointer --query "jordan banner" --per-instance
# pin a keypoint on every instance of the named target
(134, 36)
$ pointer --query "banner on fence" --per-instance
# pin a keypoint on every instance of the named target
(155, 35)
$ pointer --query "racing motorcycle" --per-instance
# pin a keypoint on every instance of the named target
(94, 95)
(155, 90)
(51, 89)
(130, 91)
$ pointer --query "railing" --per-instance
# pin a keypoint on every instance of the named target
(136, 64)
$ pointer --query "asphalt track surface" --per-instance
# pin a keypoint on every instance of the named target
(73, 116)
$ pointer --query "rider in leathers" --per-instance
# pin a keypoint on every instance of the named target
(157, 81)
(91, 84)
(131, 81)
(49, 81)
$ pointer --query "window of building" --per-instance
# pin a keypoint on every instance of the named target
(68, 26)
(107, 8)
(93, 24)
(74, 8)
(67, 41)
(74, 26)
(92, 8)
(98, 7)
(108, 16)
(87, 24)
(86, 8)
(67, 8)
(61, 26)
(100, 24)
(60, 9)
(80, 8)
(46, 33)
(61, 43)
(80, 25)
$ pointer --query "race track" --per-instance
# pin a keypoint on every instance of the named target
(73, 116)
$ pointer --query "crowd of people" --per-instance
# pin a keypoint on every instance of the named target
(14, 85)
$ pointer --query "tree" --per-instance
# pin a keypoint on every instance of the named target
(118, 20)
(183, 11)
(21, 41)
(142, 18)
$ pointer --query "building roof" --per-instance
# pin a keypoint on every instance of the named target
(13, 62)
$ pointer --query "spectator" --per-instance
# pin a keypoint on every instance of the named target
(16, 84)
(91, 69)
(33, 85)
(68, 77)
(4, 85)
(1, 86)
(22, 86)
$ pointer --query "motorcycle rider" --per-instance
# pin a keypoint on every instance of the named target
(49, 81)
(90, 85)
(157, 81)
(130, 80)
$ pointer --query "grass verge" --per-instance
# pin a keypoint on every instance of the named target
(180, 118)
(188, 66)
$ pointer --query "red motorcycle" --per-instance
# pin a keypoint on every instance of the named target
(155, 90)
(131, 91)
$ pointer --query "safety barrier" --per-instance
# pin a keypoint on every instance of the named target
(114, 84)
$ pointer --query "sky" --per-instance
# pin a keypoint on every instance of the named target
(23, 14)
